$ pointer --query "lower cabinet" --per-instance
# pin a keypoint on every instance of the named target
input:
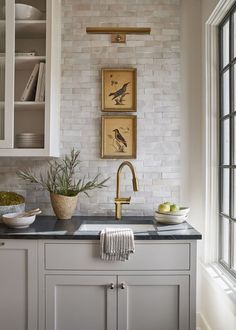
(64, 285)
(80, 302)
(131, 302)
(18, 285)
(158, 302)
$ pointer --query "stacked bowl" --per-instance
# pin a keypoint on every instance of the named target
(172, 217)
(27, 12)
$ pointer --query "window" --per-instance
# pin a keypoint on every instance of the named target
(227, 152)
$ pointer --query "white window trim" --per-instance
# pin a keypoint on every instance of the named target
(211, 131)
(211, 246)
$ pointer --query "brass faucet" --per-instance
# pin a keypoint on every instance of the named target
(124, 200)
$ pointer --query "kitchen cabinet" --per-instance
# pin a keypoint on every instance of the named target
(80, 302)
(137, 302)
(52, 278)
(54, 284)
(23, 44)
(83, 292)
(18, 285)
(159, 302)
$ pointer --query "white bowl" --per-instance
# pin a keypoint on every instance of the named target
(12, 221)
(170, 219)
(182, 211)
(11, 209)
(26, 12)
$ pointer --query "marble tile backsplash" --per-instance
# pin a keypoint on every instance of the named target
(157, 59)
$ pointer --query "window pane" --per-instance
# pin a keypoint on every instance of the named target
(234, 96)
(225, 142)
(225, 239)
(234, 34)
(234, 193)
(225, 44)
(225, 87)
(234, 250)
(225, 191)
(234, 139)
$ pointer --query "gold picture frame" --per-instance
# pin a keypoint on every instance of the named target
(119, 90)
(119, 137)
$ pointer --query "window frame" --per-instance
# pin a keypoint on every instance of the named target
(222, 118)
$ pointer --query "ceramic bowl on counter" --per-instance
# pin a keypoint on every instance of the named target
(170, 218)
(4, 209)
(183, 210)
(11, 220)
(26, 12)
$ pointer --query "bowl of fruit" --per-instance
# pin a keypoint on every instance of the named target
(171, 213)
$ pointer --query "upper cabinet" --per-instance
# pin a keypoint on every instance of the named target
(29, 77)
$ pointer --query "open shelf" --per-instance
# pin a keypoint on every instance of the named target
(27, 62)
(30, 29)
(29, 105)
(35, 44)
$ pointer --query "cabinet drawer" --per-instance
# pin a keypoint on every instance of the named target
(147, 256)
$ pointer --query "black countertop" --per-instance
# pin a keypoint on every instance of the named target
(48, 227)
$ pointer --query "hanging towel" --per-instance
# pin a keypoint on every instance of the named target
(116, 244)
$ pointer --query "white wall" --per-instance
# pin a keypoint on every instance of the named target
(215, 309)
(191, 63)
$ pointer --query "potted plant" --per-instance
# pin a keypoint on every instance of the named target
(62, 185)
(10, 202)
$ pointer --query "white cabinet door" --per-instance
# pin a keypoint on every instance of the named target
(17, 116)
(6, 73)
(153, 302)
(18, 285)
(80, 302)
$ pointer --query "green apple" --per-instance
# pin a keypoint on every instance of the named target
(174, 208)
(164, 208)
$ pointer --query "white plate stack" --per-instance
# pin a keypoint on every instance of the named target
(29, 140)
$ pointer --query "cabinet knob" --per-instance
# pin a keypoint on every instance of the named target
(112, 286)
(2, 243)
(122, 286)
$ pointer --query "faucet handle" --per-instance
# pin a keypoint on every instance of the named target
(123, 200)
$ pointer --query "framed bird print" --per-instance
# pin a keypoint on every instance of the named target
(119, 137)
(119, 89)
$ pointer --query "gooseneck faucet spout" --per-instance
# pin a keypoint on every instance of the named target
(123, 200)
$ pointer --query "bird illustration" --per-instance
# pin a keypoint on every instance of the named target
(120, 100)
(119, 92)
(119, 138)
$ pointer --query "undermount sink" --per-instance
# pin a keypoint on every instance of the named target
(136, 227)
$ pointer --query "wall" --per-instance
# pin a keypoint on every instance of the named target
(157, 59)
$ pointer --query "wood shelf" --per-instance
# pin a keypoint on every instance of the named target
(30, 29)
(27, 62)
(29, 105)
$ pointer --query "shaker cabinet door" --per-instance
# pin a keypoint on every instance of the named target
(80, 302)
(153, 302)
(18, 285)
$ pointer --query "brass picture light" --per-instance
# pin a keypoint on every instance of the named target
(118, 34)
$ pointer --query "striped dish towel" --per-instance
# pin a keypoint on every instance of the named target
(116, 244)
